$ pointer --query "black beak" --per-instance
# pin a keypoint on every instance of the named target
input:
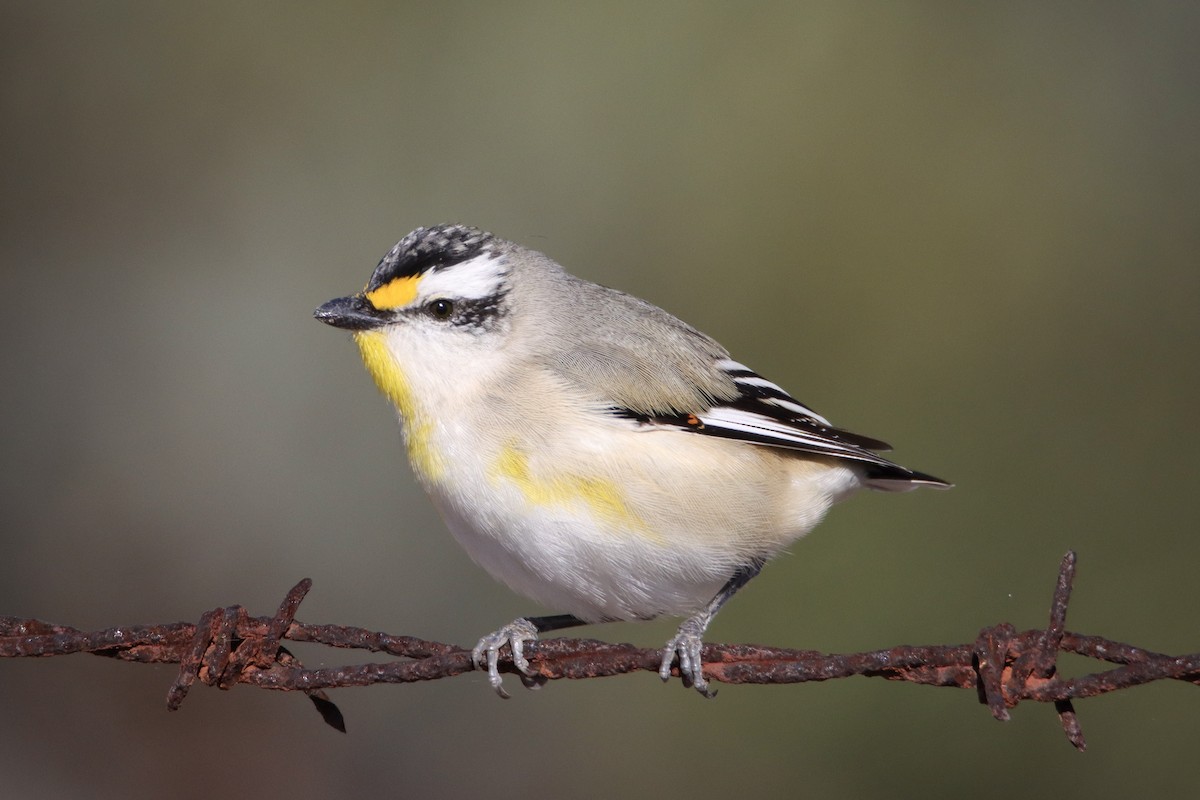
(352, 313)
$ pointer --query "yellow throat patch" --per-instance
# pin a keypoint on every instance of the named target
(418, 428)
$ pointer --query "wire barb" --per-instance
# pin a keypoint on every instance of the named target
(227, 647)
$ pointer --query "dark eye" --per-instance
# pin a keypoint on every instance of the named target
(440, 308)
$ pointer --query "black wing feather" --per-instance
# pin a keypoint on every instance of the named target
(764, 414)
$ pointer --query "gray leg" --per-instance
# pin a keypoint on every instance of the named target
(515, 634)
(688, 642)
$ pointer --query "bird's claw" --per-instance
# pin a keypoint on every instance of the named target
(486, 655)
(687, 643)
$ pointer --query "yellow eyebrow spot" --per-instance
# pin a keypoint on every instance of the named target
(396, 293)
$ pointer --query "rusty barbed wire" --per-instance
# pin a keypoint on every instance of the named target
(228, 646)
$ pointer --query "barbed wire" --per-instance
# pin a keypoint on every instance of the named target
(228, 647)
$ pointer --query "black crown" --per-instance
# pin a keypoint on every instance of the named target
(431, 248)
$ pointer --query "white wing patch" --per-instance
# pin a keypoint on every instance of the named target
(764, 430)
(773, 393)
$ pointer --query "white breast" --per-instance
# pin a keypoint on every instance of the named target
(662, 518)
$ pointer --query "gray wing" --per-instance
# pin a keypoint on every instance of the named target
(649, 367)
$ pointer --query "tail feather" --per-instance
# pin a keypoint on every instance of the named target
(895, 478)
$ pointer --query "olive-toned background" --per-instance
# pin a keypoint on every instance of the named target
(970, 229)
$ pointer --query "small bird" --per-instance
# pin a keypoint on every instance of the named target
(590, 450)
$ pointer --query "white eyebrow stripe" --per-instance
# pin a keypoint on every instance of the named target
(475, 279)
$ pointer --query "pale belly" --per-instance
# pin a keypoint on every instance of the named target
(575, 568)
(648, 545)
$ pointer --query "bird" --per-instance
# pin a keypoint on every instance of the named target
(587, 448)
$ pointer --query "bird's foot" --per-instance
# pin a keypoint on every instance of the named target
(687, 643)
(486, 654)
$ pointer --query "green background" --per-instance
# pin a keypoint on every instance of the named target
(970, 229)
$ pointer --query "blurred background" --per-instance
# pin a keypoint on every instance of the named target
(969, 229)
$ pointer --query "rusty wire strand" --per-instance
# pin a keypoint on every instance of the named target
(228, 646)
